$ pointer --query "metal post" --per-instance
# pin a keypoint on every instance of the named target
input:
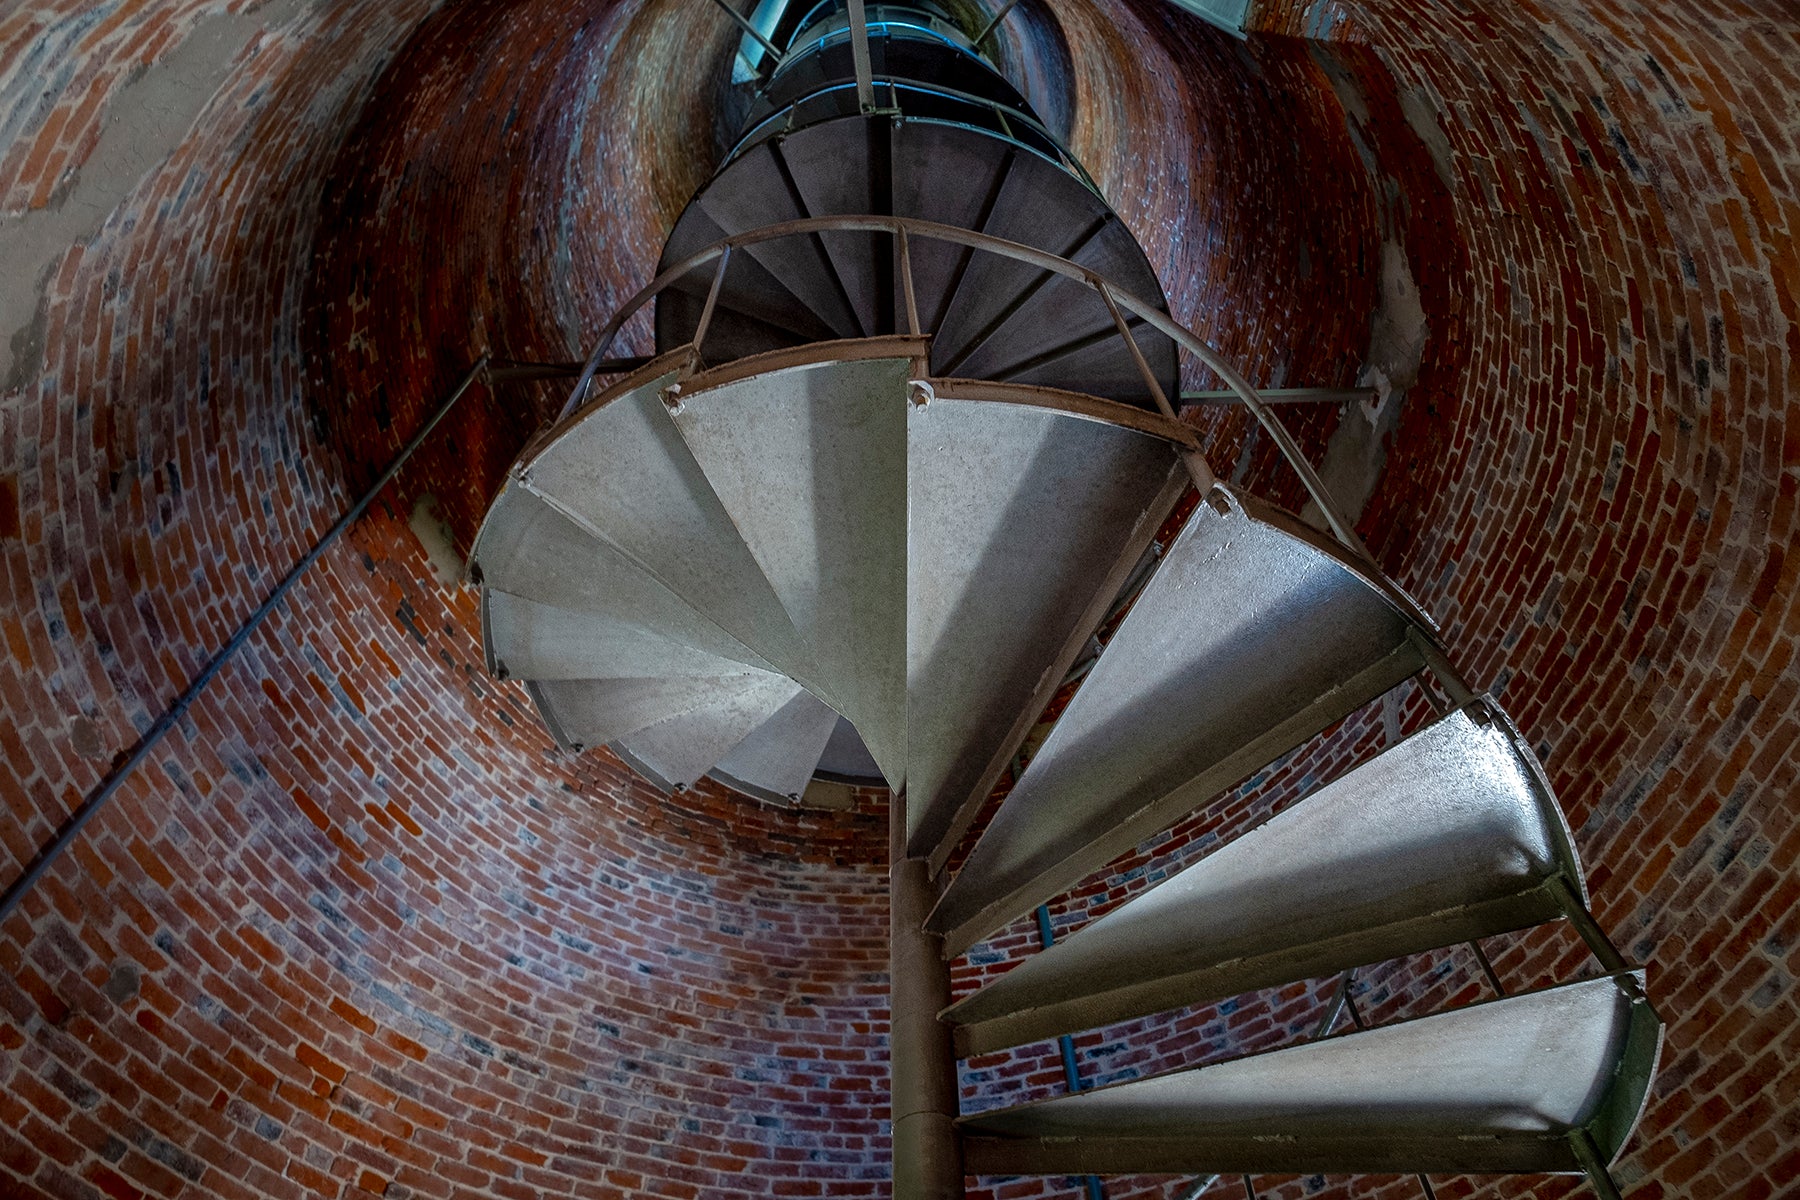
(1355, 1013)
(1137, 355)
(1279, 396)
(1338, 1000)
(747, 27)
(1487, 968)
(1588, 1155)
(1198, 468)
(988, 30)
(712, 299)
(859, 54)
(109, 787)
(1597, 942)
(1442, 670)
(530, 372)
(927, 1148)
(903, 247)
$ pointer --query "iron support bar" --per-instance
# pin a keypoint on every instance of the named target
(927, 1148)
(1487, 968)
(744, 24)
(1588, 1155)
(109, 786)
(1355, 1013)
(1611, 961)
(859, 54)
(1336, 1006)
(1066, 1044)
(1279, 396)
(712, 300)
(903, 247)
(528, 372)
(1443, 671)
(1196, 463)
(994, 23)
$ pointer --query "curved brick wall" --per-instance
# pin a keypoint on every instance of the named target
(1593, 484)
(359, 927)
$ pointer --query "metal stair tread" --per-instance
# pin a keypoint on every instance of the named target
(1449, 835)
(777, 760)
(528, 555)
(624, 474)
(1022, 523)
(584, 713)
(1496, 1086)
(1252, 636)
(528, 640)
(674, 753)
(839, 568)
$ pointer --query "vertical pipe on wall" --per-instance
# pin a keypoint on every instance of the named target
(927, 1149)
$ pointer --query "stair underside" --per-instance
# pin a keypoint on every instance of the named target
(967, 548)
(703, 573)
(990, 317)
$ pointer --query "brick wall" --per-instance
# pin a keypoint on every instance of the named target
(359, 926)
(1592, 485)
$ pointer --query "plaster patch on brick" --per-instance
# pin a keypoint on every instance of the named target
(1357, 452)
(1422, 114)
(146, 120)
(435, 536)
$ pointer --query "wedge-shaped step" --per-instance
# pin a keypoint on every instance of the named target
(582, 713)
(754, 312)
(528, 640)
(1450, 835)
(810, 464)
(676, 752)
(758, 189)
(534, 563)
(777, 761)
(1552, 1081)
(1024, 522)
(1254, 635)
(621, 472)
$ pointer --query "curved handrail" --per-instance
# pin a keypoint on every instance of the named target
(758, 134)
(906, 228)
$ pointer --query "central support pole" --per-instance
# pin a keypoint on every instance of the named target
(927, 1149)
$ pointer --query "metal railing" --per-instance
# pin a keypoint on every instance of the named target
(1122, 305)
(1009, 122)
(127, 764)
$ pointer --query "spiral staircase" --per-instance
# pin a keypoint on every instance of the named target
(905, 447)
